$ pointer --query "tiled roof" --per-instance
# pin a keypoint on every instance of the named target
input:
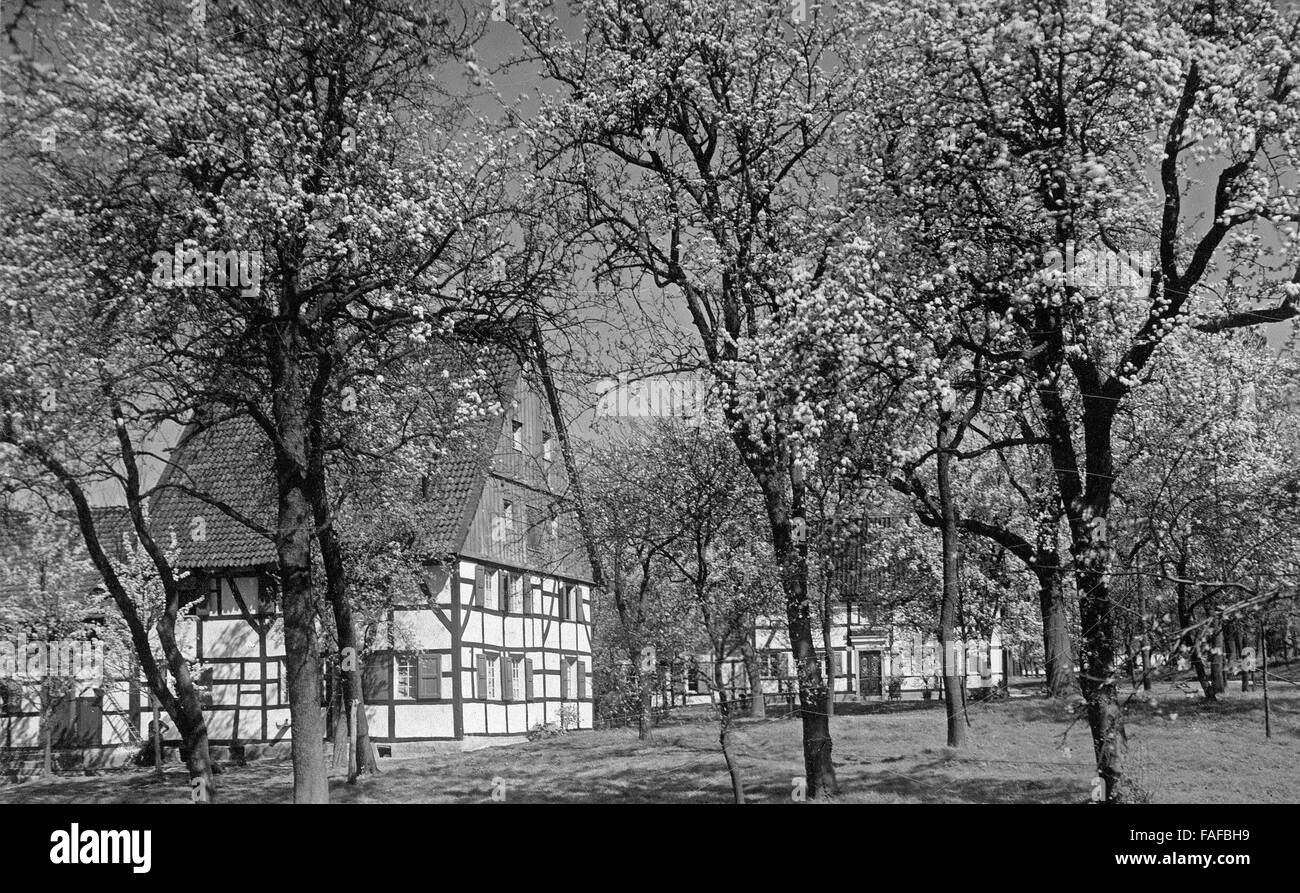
(457, 479)
(228, 464)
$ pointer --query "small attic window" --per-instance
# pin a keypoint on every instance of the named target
(517, 435)
(548, 446)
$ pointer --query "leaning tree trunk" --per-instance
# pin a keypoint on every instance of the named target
(338, 722)
(345, 627)
(725, 723)
(948, 641)
(188, 710)
(1189, 641)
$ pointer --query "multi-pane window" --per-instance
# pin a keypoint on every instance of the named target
(772, 664)
(513, 588)
(548, 446)
(273, 676)
(491, 677)
(491, 580)
(571, 672)
(405, 676)
(516, 678)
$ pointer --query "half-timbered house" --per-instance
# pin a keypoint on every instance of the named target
(495, 638)
(876, 649)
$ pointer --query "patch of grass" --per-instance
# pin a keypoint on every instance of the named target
(1021, 751)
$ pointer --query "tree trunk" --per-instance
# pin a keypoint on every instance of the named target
(301, 649)
(948, 642)
(757, 703)
(772, 469)
(827, 624)
(723, 706)
(157, 738)
(188, 714)
(1146, 635)
(293, 549)
(646, 720)
(1130, 660)
(1189, 641)
(1146, 663)
(338, 731)
(1217, 667)
(1105, 717)
(818, 767)
(345, 627)
(1058, 646)
(184, 707)
(47, 736)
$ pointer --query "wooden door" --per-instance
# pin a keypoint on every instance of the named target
(869, 681)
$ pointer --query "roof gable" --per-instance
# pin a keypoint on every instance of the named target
(223, 472)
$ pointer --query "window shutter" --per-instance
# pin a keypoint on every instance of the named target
(375, 678)
(528, 678)
(482, 676)
(526, 586)
(564, 679)
(480, 584)
(429, 679)
(837, 661)
(577, 605)
(582, 680)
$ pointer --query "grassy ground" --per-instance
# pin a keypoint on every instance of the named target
(1022, 750)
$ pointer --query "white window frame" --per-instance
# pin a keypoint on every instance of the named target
(491, 677)
(412, 678)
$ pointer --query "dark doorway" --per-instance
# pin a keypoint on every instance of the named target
(76, 723)
(869, 682)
